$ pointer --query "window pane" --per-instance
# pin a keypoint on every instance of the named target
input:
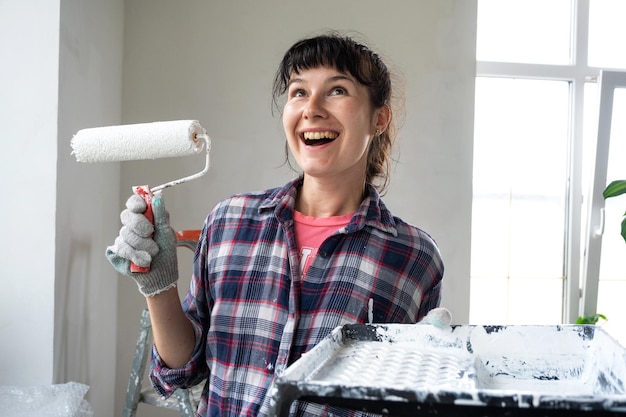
(524, 31)
(612, 273)
(489, 309)
(607, 33)
(497, 301)
(536, 301)
(611, 304)
(519, 202)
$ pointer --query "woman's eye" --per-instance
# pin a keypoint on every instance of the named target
(337, 91)
(297, 93)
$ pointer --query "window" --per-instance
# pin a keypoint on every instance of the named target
(520, 160)
(604, 278)
(536, 125)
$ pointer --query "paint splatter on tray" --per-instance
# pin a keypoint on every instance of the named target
(379, 367)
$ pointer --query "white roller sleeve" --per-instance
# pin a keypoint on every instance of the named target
(138, 141)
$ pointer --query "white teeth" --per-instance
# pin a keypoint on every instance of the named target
(319, 135)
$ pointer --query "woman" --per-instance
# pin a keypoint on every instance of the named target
(276, 271)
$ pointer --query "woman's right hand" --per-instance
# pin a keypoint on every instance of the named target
(145, 244)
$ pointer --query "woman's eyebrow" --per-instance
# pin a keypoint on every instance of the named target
(295, 81)
(339, 77)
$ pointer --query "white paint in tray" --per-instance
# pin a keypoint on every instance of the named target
(540, 361)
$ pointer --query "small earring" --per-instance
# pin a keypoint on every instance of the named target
(377, 132)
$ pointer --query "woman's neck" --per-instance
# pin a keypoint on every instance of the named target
(319, 198)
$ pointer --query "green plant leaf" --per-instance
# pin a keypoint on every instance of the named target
(624, 229)
(591, 318)
(615, 188)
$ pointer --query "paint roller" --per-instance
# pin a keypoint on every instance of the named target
(143, 141)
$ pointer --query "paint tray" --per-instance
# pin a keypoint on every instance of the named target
(415, 370)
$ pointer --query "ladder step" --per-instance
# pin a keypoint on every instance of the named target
(150, 396)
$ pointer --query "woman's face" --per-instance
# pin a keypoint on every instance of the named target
(329, 122)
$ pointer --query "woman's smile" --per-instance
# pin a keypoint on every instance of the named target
(319, 138)
(328, 121)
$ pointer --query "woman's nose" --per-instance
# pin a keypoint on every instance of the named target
(314, 107)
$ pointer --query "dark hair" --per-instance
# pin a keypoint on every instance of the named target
(350, 57)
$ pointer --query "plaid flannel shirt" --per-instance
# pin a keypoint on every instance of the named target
(254, 314)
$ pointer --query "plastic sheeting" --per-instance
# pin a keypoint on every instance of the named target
(61, 400)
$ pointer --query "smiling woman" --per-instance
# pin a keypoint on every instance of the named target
(329, 123)
(358, 73)
(276, 271)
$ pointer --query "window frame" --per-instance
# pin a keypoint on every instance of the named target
(576, 73)
(608, 82)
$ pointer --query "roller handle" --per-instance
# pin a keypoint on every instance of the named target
(144, 192)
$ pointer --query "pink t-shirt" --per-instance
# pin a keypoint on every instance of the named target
(311, 233)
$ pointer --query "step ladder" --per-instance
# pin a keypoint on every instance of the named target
(184, 400)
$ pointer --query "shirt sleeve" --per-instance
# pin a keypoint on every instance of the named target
(431, 300)
(197, 309)
(166, 380)
(432, 278)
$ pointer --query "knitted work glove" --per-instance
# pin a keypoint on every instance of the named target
(146, 245)
(439, 317)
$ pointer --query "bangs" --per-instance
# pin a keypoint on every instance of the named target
(318, 53)
(343, 54)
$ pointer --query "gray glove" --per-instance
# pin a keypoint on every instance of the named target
(439, 317)
(146, 245)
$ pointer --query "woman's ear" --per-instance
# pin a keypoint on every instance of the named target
(382, 119)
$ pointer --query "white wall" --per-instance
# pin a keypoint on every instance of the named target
(215, 60)
(28, 131)
(90, 91)
(61, 71)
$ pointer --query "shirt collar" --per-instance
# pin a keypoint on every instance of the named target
(372, 211)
